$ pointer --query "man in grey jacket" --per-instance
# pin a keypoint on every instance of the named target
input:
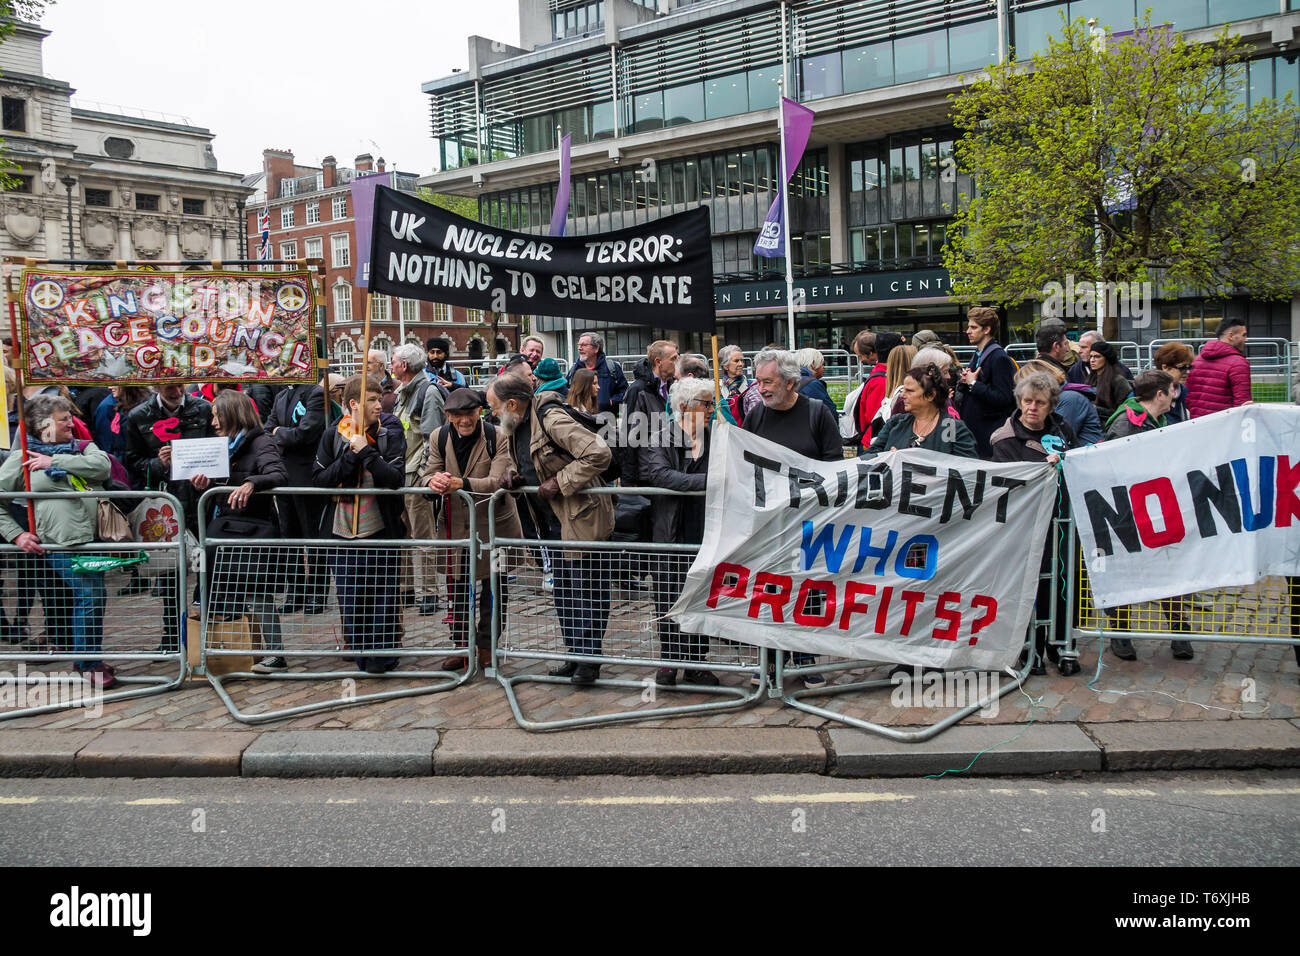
(419, 407)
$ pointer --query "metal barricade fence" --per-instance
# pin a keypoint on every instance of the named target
(80, 605)
(797, 698)
(241, 578)
(1270, 365)
(591, 603)
(1266, 612)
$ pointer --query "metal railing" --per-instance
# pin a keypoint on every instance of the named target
(90, 612)
(1270, 365)
(366, 621)
(588, 603)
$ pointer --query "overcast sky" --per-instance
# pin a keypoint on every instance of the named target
(318, 78)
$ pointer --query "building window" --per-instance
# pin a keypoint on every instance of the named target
(382, 343)
(146, 202)
(379, 308)
(345, 356)
(99, 197)
(340, 251)
(343, 303)
(340, 207)
(441, 312)
(192, 207)
(118, 147)
(288, 187)
(410, 310)
(22, 184)
(288, 250)
(286, 217)
(313, 213)
(15, 114)
(314, 249)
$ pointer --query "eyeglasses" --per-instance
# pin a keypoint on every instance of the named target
(1184, 368)
(704, 404)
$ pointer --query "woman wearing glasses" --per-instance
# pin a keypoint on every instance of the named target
(925, 421)
(1175, 360)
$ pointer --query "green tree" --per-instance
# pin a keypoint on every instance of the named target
(1132, 160)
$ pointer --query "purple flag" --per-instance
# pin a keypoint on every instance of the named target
(798, 127)
(561, 211)
(363, 211)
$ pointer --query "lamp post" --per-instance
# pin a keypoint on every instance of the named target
(243, 229)
(68, 183)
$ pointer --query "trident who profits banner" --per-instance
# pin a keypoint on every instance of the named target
(1206, 503)
(143, 328)
(913, 557)
(658, 274)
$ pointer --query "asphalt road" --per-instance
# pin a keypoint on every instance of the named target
(1190, 819)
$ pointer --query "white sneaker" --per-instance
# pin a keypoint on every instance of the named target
(548, 581)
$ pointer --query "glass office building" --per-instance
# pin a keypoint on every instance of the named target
(671, 105)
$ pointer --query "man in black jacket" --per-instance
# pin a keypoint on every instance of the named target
(149, 431)
(986, 391)
(296, 422)
(646, 406)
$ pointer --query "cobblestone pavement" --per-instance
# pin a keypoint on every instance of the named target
(1224, 682)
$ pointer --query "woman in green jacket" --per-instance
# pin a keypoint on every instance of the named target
(58, 462)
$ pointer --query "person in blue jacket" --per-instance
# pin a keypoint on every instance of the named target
(811, 366)
(613, 383)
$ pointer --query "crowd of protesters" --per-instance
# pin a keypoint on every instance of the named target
(411, 421)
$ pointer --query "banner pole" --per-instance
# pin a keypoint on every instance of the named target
(785, 222)
(717, 378)
(18, 395)
(360, 426)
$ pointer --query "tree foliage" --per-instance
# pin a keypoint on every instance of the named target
(1144, 144)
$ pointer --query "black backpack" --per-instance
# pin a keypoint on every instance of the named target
(592, 424)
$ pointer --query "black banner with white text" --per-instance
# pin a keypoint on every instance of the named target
(658, 274)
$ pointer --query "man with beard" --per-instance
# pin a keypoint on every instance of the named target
(550, 449)
(439, 372)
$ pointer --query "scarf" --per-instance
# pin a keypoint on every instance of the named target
(1137, 414)
(235, 442)
(41, 448)
(464, 445)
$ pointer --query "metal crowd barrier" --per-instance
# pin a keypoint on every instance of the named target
(241, 578)
(132, 614)
(583, 578)
(797, 698)
(1266, 612)
(1270, 365)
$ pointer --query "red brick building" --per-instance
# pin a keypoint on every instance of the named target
(311, 217)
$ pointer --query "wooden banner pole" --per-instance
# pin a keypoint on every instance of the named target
(361, 425)
(717, 379)
(18, 393)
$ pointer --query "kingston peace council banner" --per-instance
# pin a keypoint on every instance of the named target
(1206, 503)
(129, 327)
(658, 273)
(913, 557)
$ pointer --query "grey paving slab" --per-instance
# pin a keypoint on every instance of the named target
(630, 751)
(994, 749)
(164, 753)
(42, 753)
(341, 753)
(1187, 744)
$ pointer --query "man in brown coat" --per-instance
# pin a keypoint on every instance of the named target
(552, 450)
(470, 454)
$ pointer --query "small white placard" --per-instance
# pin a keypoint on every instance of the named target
(200, 456)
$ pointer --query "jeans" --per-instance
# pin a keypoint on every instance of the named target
(88, 600)
(581, 598)
(366, 580)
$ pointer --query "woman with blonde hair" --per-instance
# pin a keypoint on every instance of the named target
(899, 363)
